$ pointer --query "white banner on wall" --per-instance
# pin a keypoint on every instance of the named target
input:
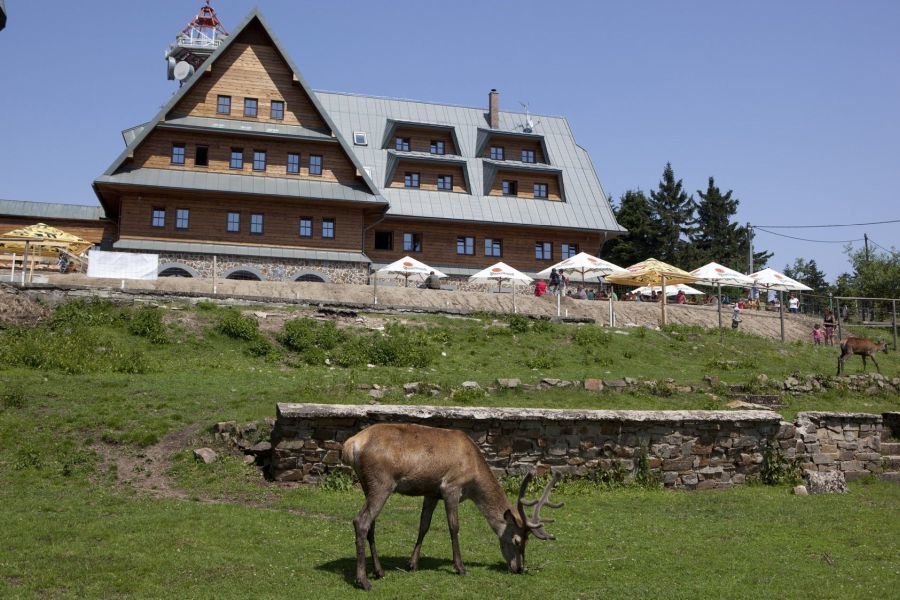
(122, 265)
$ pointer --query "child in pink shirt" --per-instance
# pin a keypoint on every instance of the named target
(817, 335)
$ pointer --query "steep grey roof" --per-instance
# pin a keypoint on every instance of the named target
(236, 250)
(244, 184)
(139, 133)
(51, 210)
(586, 205)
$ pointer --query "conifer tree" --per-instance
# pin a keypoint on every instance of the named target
(673, 213)
(716, 237)
(807, 273)
(633, 213)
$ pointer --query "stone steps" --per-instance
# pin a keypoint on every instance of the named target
(890, 461)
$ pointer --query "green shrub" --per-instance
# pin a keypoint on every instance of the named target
(352, 353)
(542, 326)
(591, 335)
(644, 477)
(261, 348)
(518, 323)
(237, 326)
(147, 322)
(542, 360)
(131, 362)
(471, 396)
(339, 480)
(84, 313)
(302, 334)
(776, 469)
(402, 346)
(13, 399)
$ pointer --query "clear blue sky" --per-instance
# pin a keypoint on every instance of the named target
(793, 105)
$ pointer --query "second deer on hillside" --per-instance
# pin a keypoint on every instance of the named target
(439, 464)
(862, 347)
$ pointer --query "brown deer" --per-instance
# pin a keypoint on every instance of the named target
(862, 347)
(439, 464)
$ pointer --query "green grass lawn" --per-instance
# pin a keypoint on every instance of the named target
(104, 376)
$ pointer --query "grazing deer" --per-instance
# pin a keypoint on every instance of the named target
(862, 347)
(416, 460)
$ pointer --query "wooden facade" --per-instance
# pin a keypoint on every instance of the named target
(198, 123)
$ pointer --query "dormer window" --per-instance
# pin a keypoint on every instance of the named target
(277, 110)
(360, 138)
(437, 147)
(402, 144)
(177, 154)
(510, 188)
(540, 191)
(445, 182)
(497, 153)
(411, 180)
(527, 156)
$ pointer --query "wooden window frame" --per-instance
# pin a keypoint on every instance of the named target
(542, 247)
(175, 155)
(158, 217)
(248, 111)
(333, 229)
(197, 160)
(295, 164)
(279, 114)
(253, 224)
(182, 218)
(541, 187)
(412, 237)
(572, 251)
(307, 224)
(389, 236)
(412, 180)
(316, 165)
(229, 222)
(463, 241)
(509, 187)
(231, 164)
(438, 147)
(493, 247)
(528, 154)
(402, 144)
(445, 183)
(498, 153)
(220, 104)
(256, 160)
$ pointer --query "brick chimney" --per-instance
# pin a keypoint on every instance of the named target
(494, 108)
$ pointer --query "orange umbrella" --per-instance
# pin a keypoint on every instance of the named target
(652, 272)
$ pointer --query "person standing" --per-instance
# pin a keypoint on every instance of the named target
(828, 321)
(817, 335)
(794, 304)
(736, 316)
(554, 281)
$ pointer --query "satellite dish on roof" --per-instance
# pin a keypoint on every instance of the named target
(170, 68)
(182, 70)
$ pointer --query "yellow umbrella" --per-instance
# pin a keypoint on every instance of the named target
(43, 240)
(652, 272)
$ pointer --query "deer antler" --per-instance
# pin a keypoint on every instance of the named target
(536, 524)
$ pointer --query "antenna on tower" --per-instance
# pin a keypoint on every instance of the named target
(194, 44)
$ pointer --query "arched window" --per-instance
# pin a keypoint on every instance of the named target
(174, 272)
(243, 275)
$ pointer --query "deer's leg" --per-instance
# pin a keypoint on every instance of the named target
(451, 503)
(872, 356)
(840, 364)
(363, 523)
(864, 362)
(376, 564)
(428, 505)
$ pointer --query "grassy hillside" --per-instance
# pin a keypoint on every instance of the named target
(98, 382)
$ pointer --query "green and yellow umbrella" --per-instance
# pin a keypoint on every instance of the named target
(652, 272)
(42, 240)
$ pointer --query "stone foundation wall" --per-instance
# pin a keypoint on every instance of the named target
(685, 449)
(271, 269)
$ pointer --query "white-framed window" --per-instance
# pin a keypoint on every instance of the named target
(360, 138)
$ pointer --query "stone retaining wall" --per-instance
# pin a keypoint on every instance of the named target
(685, 449)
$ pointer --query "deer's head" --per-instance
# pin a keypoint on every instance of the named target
(519, 527)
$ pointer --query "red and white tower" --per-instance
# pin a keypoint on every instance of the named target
(194, 44)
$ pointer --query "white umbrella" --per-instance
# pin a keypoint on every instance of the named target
(500, 272)
(671, 290)
(773, 280)
(718, 275)
(584, 263)
(408, 267)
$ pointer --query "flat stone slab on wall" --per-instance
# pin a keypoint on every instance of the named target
(686, 449)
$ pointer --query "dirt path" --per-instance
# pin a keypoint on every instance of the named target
(363, 297)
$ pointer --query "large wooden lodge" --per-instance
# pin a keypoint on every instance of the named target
(279, 182)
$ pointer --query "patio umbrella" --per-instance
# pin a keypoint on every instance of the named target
(501, 272)
(652, 272)
(43, 240)
(773, 280)
(717, 275)
(584, 263)
(408, 267)
(672, 289)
